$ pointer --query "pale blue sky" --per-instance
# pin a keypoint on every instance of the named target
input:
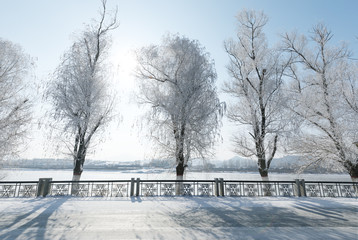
(45, 30)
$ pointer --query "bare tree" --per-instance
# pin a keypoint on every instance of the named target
(323, 97)
(257, 78)
(350, 86)
(79, 93)
(178, 81)
(15, 114)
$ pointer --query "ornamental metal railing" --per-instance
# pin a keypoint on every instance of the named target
(206, 188)
(18, 189)
(331, 189)
(89, 188)
(259, 189)
(174, 188)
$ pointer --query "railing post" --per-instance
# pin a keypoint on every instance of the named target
(43, 187)
(132, 187)
(138, 187)
(221, 184)
(216, 187)
(303, 188)
(297, 188)
(39, 188)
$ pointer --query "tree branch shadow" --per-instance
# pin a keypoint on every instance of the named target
(33, 221)
(233, 218)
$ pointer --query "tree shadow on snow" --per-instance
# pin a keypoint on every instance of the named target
(136, 199)
(33, 221)
(242, 218)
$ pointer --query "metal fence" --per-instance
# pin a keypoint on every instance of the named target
(331, 189)
(18, 189)
(89, 188)
(258, 189)
(216, 187)
(173, 188)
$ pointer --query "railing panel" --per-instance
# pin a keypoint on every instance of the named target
(348, 190)
(205, 189)
(27, 190)
(313, 190)
(8, 190)
(286, 190)
(188, 189)
(149, 189)
(233, 189)
(167, 189)
(99, 189)
(120, 189)
(330, 190)
(60, 189)
(268, 189)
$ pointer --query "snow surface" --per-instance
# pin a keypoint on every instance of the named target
(178, 218)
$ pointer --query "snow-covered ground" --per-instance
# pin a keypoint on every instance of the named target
(157, 174)
(179, 218)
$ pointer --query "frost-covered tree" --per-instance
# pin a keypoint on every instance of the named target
(323, 97)
(350, 87)
(257, 73)
(79, 92)
(177, 79)
(14, 102)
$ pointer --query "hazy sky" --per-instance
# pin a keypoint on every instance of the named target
(45, 29)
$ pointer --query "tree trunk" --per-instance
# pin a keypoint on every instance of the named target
(266, 187)
(76, 177)
(353, 172)
(77, 172)
(264, 176)
(180, 169)
(180, 176)
(263, 169)
(179, 186)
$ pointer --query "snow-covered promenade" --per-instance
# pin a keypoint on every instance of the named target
(178, 218)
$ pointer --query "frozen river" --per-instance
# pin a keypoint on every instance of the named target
(157, 174)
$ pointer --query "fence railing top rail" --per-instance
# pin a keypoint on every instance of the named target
(12, 182)
(90, 181)
(331, 182)
(256, 181)
(175, 181)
